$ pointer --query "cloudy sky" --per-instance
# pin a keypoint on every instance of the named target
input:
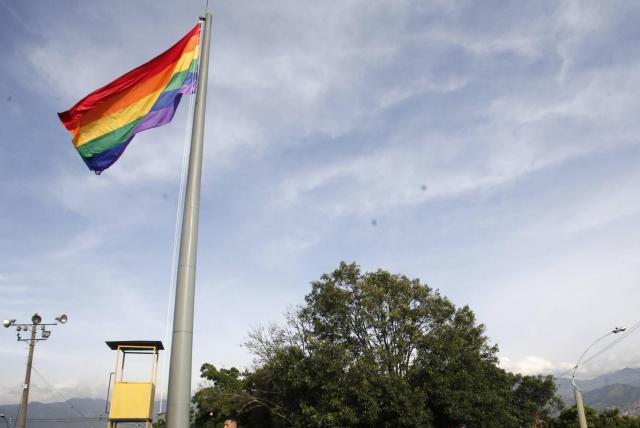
(488, 148)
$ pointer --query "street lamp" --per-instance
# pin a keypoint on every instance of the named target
(35, 326)
(576, 391)
(7, 421)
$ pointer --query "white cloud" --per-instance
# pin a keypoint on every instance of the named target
(396, 95)
(533, 365)
(54, 64)
(282, 252)
(575, 19)
(539, 126)
(609, 363)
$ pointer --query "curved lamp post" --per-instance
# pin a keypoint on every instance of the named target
(576, 391)
(39, 332)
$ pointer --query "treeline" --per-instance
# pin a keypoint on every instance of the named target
(610, 418)
(380, 350)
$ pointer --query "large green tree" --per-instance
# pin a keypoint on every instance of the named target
(373, 349)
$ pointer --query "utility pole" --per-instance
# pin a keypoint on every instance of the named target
(581, 416)
(179, 390)
(36, 324)
(22, 416)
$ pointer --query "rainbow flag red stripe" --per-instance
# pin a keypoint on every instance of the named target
(104, 122)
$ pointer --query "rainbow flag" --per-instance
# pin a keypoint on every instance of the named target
(104, 122)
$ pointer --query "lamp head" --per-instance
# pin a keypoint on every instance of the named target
(618, 330)
(36, 319)
(46, 334)
(62, 318)
(8, 323)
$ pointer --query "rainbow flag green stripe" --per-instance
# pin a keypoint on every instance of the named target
(107, 141)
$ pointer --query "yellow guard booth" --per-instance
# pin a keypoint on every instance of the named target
(133, 401)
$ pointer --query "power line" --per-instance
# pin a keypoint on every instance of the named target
(564, 373)
(55, 390)
(615, 342)
(88, 418)
(630, 330)
(52, 389)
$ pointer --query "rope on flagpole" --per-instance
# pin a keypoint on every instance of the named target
(174, 252)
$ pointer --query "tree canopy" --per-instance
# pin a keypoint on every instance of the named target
(374, 349)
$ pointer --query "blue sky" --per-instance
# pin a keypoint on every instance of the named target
(487, 148)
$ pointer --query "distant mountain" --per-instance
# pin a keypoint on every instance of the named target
(609, 388)
(73, 413)
(625, 376)
(616, 395)
(565, 390)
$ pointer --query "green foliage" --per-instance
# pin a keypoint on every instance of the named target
(374, 349)
(231, 394)
(568, 417)
(534, 399)
(610, 418)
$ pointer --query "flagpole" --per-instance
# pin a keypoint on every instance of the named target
(179, 390)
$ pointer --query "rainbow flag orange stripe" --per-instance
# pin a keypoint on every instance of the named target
(104, 122)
